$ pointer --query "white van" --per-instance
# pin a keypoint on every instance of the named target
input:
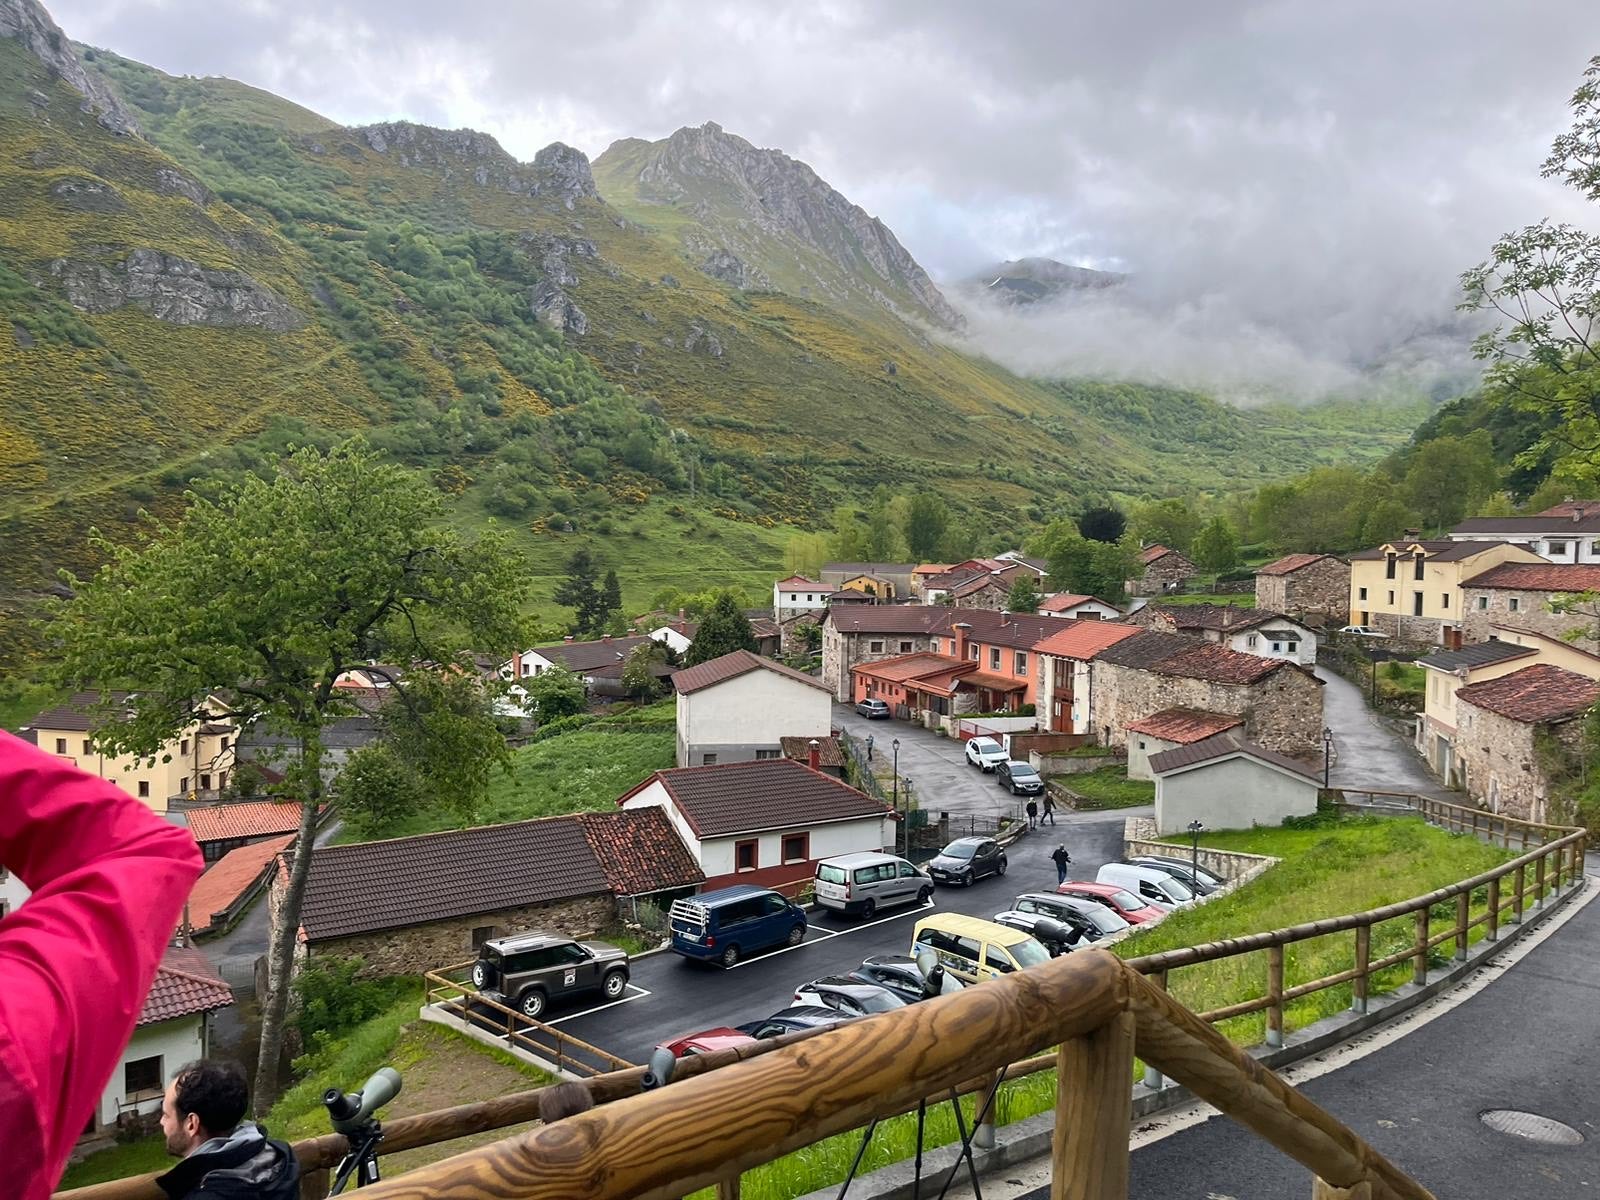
(863, 883)
(1150, 885)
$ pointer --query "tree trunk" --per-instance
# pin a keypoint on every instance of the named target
(280, 953)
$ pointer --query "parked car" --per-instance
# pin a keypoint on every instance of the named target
(985, 753)
(1094, 920)
(873, 710)
(1118, 899)
(1055, 936)
(1150, 885)
(897, 972)
(530, 970)
(731, 922)
(973, 949)
(1195, 877)
(790, 1020)
(861, 883)
(1362, 631)
(1020, 777)
(848, 996)
(966, 860)
(722, 1037)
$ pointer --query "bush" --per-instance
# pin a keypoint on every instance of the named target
(1239, 575)
(562, 725)
(330, 999)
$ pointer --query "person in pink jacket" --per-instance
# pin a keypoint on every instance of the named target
(109, 879)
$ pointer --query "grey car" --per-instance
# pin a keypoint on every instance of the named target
(531, 970)
(966, 860)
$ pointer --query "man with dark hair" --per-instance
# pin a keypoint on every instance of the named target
(224, 1156)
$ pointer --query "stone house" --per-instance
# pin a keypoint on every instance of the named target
(599, 663)
(1247, 630)
(820, 754)
(1280, 703)
(1519, 594)
(1567, 533)
(1312, 587)
(1447, 672)
(859, 633)
(1412, 590)
(1064, 661)
(799, 596)
(1226, 782)
(1164, 570)
(740, 706)
(412, 904)
(989, 591)
(1509, 728)
(1169, 729)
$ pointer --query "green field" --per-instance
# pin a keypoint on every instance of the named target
(1109, 787)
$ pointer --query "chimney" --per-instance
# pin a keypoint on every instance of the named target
(814, 755)
(1227, 617)
(962, 629)
(568, 638)
(682, 615)
(605, 637)
(1005, 618)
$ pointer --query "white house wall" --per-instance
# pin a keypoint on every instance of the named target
(178, 1042)
(736, 718)
(839, 837)
(1140, 747)
(670, 638)
(1232, 793)
(1259, 642)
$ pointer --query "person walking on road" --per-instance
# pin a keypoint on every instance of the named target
(1049, 809)
(1061, 858)
(1033, 814)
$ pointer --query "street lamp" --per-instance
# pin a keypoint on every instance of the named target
(896, 784)
(1195, 830)
(905, 850)
(1327, 754)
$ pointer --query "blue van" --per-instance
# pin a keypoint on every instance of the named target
(729, 923)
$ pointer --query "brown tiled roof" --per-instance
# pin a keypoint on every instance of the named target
(1540, 577)
(931, 568)
(1290, 563)
(245, 819)
(229, 877)
(639, 851)
(413, 880)
(1569, 508)
(731, 666)
(1437, 551)
(1019, 631)
(763, 627)
(772, 793)
(909, 666)
(78, 714)
(1224, 745)
(1084, 639)
(1062, 601)
(1552, 523)
(1174, 654)
(888, 618)
(1220, 617)
(829, 753)
(800, 582)
(591, 658)
(186, 985)
(978, 583)
(1150, 553)
(1542, 692)
(1184, 725)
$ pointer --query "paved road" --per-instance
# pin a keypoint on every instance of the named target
(937, 766)
(1368, 754)
(685, 996)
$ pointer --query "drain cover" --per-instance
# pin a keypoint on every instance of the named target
(1530, 1126)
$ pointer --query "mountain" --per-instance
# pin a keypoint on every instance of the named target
(1036, 280)
(760, 219)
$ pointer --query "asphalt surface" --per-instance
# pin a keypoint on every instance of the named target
(1366, 753)
(937, 766)
(1526, 1041)
(672, 996)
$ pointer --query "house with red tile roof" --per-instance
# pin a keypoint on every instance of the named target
(925, 686)
(229, 885)
(1309, 587)
(1169, 729)
(1227, 782)
(1162, 570)
(1519, 594)
(1065, 659)
(1078, 607)
(1510, 728)
(738, 708)
(220, 828)
(1247, 630)
(765, 823)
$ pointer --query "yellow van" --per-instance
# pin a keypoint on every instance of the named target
(973, 949)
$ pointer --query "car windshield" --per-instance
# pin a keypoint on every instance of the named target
(985, 746)
(1127, 901)
(1177, 889)
(1022, 771)
(874, 1001)
(1029, 953)
(1105, 920)
(960, 849)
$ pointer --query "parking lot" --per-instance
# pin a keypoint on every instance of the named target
(670, 996)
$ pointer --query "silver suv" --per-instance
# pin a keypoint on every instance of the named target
(530, 970)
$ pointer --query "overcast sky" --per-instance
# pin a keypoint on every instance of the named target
(1288, 180)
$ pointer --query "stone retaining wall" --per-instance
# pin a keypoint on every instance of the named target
(1238, 868)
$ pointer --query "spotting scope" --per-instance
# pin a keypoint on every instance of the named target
(349, 1111)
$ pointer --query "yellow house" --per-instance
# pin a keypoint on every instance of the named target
(1551, 649)
(1412, 590)
(197, 762)
(872, 585)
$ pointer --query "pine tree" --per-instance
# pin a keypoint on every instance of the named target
(580, 592)
(724, 630)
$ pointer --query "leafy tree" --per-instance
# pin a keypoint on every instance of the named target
(1385, 521)
(1216, 547)
(446, 732)
(1105, 523)
(1583, 604)
(610, 598)
(582, 592)
(1170, 522)
(724, 630)
(849, 539)
(927, 519)
(1449, 476)
(270, 592)
(378, 788)
(1081, 565)
(1024, 594)
(555, 693)
(638, 677)
(804, 554)
(883, 542)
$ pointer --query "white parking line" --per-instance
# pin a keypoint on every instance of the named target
(639, 993)
(823, 935)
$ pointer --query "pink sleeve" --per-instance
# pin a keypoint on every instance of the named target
(109, 879)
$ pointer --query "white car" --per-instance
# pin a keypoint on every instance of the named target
(1363, 631)
(986, 753)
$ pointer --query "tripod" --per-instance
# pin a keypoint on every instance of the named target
(362, 1160)
(965, 1154)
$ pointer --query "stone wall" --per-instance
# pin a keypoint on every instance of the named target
(1532, 613)
(1169, 569)
(418, 948)
(991, 597)
(1139, 838)
(1424, 631)
(1321, 589)
(842, 651)
(1502, 765)
(1281, 712)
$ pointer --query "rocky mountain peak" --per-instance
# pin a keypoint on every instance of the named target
(1026, 281)
(568, 170)
(27, 21)
(557, 171)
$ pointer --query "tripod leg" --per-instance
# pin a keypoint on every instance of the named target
(861, 1152)
(966, 1140)
(916, 1178)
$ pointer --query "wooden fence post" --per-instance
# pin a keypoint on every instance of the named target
(983, 1133)
(314, 1184)
(1358, 985)
(1520, 880)
(1463, 905)
(1492, 929)
(1577, 862)
(1419, 969)
(1152, 1077)
(728, 1189)
(1538, 881)
(1089, 1154)
(1275, 995)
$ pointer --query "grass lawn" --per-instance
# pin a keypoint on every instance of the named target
(1109, 787)
(1236, 599)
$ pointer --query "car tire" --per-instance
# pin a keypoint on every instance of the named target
(729, 956)
(532, 1003)
(480, 975)
(968, 879)
(797, 935)
(614, 984)
(1000, 867)
(925, 895)
(867, 909)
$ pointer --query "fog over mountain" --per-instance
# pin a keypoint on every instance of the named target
(1291, 188)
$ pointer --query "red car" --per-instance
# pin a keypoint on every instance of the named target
(1118, 899)
(707, 1040)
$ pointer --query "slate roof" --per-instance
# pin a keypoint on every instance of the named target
(829, 753)
(229, 877)
(245, 819)
(76, 715)
(606, 656)
(731, 666)
(774, 793)
(1290, 563)
(1084, 640)
(1478, 654)
(1546, 522)
(186, 985)
(1540, 577)
(1184, 725)
(978, 583)
(1533, 695)
(1224, 745)
(1437, 551)
(1224, 618)
(639, 851)
(850, 569)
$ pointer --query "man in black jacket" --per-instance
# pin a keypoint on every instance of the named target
(224, 1156)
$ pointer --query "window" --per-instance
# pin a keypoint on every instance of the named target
(708, 760)
(994, 658)
(996, 958)
(907, 871)
(1558, 548)
(1416, 604)
(1020, 663)
(1388, 572)
(183, 746)
(61, 745)
(797, 847)
(88, 746)
(905, 647)
(144, 789)
(480, 935)
(972, 652)
(1444, 600)
(810, 597)
(763, 755)
(1515, 604)
(875, 647)
(1363, 594)
(1277, 647)
(225, 743)
(1416, 562)
(746, 855)
(1483, 603)
(1141, 746)
(183, 784)
(142, 1075)
(1391, 595)
(1251, 640)
(222, 780)
(952, 647)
